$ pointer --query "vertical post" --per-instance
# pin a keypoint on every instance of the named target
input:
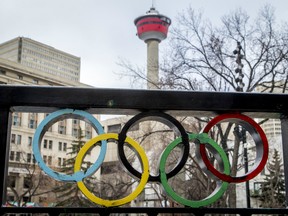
(242, 134)
(5, 129)
(284, 132)
(246, 171)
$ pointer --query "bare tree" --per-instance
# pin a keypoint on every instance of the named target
(35, 184)
(200, 57)
(202, 53)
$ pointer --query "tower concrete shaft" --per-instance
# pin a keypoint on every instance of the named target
(152, 64)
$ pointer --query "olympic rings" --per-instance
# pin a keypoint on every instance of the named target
(143, 180)
(202, 142)
(48, 122)
(259, 138)
(165, 119)
(223, 163)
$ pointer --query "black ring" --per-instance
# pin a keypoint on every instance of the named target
(165, 119)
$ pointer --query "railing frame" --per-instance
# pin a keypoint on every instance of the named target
(130, 102)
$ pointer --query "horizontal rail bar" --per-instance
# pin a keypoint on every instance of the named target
(123, 101)
(148, 210)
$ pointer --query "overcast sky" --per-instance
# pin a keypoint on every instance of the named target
(102, 32)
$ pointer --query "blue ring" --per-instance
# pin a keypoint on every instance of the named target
(49, 121)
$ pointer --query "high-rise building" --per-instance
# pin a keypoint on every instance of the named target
(42, 58)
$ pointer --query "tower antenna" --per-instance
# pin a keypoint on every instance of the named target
(153, 3)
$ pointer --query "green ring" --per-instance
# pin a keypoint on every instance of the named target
(221, 186)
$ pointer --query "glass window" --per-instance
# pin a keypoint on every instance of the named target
(75, 121)
(60, 146)
(27, 183)
(114, 128)
(61, 129)
(17, 156)
(50, 144)
(88, 131)
(32, 124)
(49, 160)
(59, 162)
(45, 158)
(16, 119)
(45, 143)
(29, 158)
(12, 181)
(35, 81)
(19, 137)
(75, 132)
(12, 155)
(32, 120)
(29, 141)
(64, 146)
(13, 138)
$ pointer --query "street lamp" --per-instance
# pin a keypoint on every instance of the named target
(241, 132)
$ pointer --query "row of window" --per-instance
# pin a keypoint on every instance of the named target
(47, 159)
(28, 158)
(41, 61)
(48, 67)
(56, 55)
(17, 139)
(273, 129)
(61, 162)
(12, 182)
(53, 72)
(62, 129)
(34, 81)
(62, 146)
(47, 144)
(15, 156)
(153, 22)
(32, 122)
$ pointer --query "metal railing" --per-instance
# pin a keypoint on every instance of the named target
(131, 102)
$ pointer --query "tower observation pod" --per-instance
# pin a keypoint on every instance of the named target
(152, 28)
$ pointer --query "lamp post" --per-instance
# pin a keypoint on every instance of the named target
(241, 130)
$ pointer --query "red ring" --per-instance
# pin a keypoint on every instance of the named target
(263, 143)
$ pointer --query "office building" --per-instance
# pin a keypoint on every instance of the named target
(42, 58)
(27, 62)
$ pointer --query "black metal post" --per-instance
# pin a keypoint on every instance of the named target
(5, 129)
(284, 132)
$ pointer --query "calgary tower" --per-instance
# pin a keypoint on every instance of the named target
(152, 28)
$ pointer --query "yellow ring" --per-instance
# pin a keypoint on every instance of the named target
(143, 160)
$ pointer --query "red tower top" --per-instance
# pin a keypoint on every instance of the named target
(152, 26)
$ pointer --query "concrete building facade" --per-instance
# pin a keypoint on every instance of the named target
(42, 58)
(27, 62)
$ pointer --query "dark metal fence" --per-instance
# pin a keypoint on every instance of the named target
(130, 102)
